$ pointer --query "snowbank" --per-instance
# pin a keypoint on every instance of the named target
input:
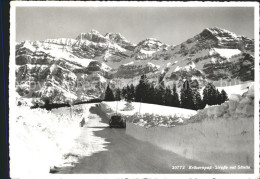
(148, 115)
(218, 135)
(238, 106)
(214, 142)
(41, 139)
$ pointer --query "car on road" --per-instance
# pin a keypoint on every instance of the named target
(117, 121)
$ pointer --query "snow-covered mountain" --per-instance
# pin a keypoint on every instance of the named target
(64, 70)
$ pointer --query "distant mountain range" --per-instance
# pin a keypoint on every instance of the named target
(52, 65)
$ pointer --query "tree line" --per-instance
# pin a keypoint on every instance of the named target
(147, 92)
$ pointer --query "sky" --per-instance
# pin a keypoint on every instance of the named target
(171, 25)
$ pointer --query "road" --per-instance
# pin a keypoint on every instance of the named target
(125, 154)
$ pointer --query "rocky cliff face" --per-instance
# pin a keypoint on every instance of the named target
(65, 70)
(214, 54)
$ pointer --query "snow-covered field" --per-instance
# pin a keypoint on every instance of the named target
(41, 139)
(148, 115)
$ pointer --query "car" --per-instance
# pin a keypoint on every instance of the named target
(117, 121)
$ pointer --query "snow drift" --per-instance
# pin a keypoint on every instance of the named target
(40, 139)
(238, 106)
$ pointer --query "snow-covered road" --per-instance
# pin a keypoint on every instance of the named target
(55, 139)
(125, 154)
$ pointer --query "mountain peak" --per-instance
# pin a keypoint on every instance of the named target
(93, 36)
(115, 36)
(120, 40)
(94, 31)
(151, 39)
(91, 32)
(216, 31)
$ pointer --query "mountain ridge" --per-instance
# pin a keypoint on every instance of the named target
(213, 54)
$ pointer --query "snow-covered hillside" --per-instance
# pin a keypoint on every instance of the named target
(57, 67)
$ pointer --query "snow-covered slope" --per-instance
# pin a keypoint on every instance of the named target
(48, 139)
(57, 65)
(41, 140)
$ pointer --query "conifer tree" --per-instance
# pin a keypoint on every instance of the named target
(186, 96)
(168, 97)
(224, 96)
(109, 96)
(218, 100)
(128, 93)
(151, 94)
(123, 92)
(157, 96)
(161, 94)
(138, 93)
(118, 95)
(206, 94)
(175, 97)
(132, 91)
(142, 89)
(197, 101)
(210, 94)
